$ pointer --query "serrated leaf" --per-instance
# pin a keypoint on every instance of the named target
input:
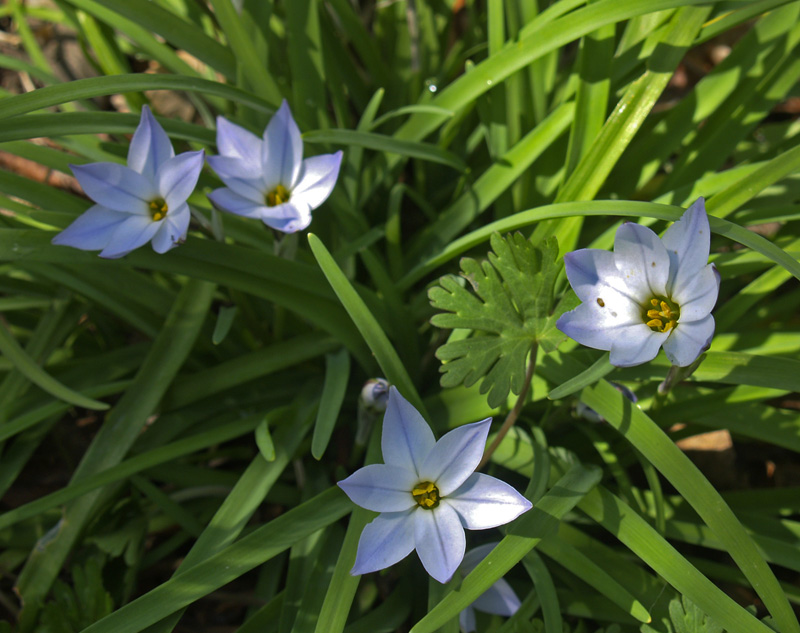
(509, 310)
(688, 618)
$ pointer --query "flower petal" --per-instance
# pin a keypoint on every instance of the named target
(636, 345)
(484, 502)
(466, 620)
(129, 235)
(593, 275)
(599, 326)
(381, 488)
(150, 146)
(282, 150)
(698, 296)
(499, 599)
(407, 439)
(688, 242)
(232, 202)
(172, 229)
(317, 178)
(440, 541)
(237, 177)
(116, 186)
(388, 539)
(688, 340)
(642, 260)
(288, 217)
(178, 176)
(233, 141)
(456, 456)
(91, 230)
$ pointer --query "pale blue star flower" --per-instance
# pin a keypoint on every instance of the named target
(268, 178)
(649, 293)
(427, 493)
(499, 599)
(143, 202)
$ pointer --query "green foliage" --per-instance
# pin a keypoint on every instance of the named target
(509, 313)
(686, 617)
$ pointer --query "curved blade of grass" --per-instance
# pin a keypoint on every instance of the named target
(643, 540)
(337, 373)
(120, 430)
(545, 589)
(232, 562)
(100, 86)
(375, 337)
(598, 370)
(587, 570)
(598, 208)
(662, 452)
(68, 123)
(728, 200)
(179, 33)
(524, 534)
(491, 184)
(388, 144)
(247, 58)
(38, 376)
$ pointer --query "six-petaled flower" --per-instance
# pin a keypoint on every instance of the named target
(268, 178)
(136, 204)
(648, 293)
(427, 492)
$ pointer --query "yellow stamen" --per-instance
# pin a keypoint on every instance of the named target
(158, 209)
(426, 494)
(662, 317)
(277, 196)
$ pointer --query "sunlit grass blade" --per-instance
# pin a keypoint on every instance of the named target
(375, 337)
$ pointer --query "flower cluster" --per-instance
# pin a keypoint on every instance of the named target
(146, 200)
(427, 493)
(649, 293)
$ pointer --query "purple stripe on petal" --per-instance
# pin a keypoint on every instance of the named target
(317, 178)
(688, 242)
(150, 146)
(234, 141)
(638, 345)
(116, 187)
(407, 439)
(456, 456)
(130, 235)
(91, 230)
(484, 502)
(178, 176)
(282, 150)
(642, 261)
(440, 541)
(381, 488)
(698, 296)
(688, 340)
(230, 201)
(388, 539)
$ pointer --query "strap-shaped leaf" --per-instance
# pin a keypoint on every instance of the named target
(508, 312)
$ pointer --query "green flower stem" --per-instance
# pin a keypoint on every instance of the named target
(514, 413)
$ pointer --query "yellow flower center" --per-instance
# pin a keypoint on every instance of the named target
(277, 196)
(660, 315)
(426, 494)
(158, 209)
